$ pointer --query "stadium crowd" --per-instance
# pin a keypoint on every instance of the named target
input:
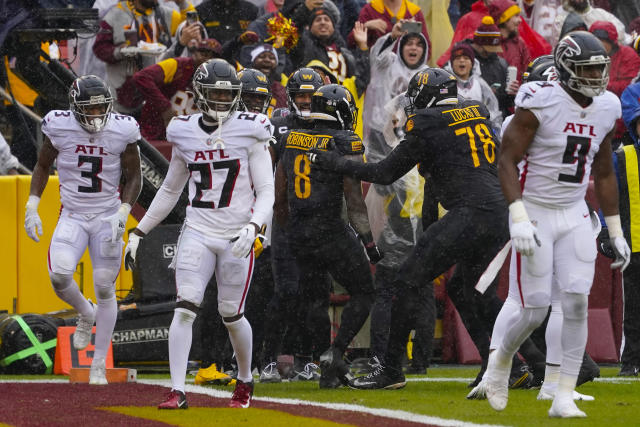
(449, 102)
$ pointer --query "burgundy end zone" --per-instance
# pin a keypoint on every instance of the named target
(55, 404)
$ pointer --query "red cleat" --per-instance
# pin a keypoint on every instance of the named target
(242, 395)
(175, 400)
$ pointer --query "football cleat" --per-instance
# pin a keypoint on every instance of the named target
(550, 394)
(520, 378)
(479, 392)
(332, 365)
(270, 374)
(241, 397)
(211, 375)
(629, 371)
(82, 334)
(383, 377)
(589, 370)
(175, 400)
(308, 373)
(98, 372)
(561, 408)
(371, 365)
(497, 383)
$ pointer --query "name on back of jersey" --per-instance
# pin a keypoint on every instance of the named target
(459, 115)
(303, 141)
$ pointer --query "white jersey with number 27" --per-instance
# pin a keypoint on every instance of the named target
(89, 163)
(557, 164)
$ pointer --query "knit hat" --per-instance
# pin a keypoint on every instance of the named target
(462, 49)
(604, 30)
(328, 8)
(488, 36)
(266, 47)
(502, 10)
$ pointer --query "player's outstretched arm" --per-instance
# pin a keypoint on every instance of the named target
(606, 189)
(357, 213)
(39, 179)
(396, 164)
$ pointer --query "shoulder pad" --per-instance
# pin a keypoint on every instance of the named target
(536, 95)
(423, 119)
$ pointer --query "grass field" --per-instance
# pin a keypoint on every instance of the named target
(439, 394)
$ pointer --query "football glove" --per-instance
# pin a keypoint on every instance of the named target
(117, 221)
(618, 242)
(330, 159)
(522, 230)
(604, 244)
(243, 241)
(32, 222)
(131, 251)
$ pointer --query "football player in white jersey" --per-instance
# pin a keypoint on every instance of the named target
(563, 131)
(223, 155)
(92, 148)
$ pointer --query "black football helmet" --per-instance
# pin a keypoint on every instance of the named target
(256, 95)
(87, 93)
(577, 52)
(541, 69)
(303, 80)
(431, 87)
(217, 89)
(334, 103)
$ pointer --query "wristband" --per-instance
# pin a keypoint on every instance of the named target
(518, 211)
(614, 226)
(33, 202)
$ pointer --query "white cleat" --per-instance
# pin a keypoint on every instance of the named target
(82, 335)
(479, 392)
(565, 409)
(98, 372)
(497, 394)
(549, 395)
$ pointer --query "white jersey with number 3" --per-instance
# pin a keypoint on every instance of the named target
(221, 195)
(558, 162)
(89, 163)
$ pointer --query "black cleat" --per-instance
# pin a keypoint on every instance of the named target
(629, 371)
(588, 371)
(383, 377)
(332, 365)
(520, 377)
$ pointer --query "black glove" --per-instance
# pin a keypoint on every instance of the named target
(604, 244)
(374, 254)
(329, 159)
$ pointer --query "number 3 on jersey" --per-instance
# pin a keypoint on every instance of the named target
(484, 134)
(302, 183)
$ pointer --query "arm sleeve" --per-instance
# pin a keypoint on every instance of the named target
(103, 47)
(396, 164)
(168, 194)
(149, 80)
(262, 177)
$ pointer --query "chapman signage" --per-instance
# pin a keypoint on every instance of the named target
(136, 336)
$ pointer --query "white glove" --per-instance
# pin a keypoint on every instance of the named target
(131, 250)
(523, 232)
(243, 241)
(32, 222)
(117, 221)
(618, 242)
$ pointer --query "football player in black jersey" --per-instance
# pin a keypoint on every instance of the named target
(452, 140)
(310, 204)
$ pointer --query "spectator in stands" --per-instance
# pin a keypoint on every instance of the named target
(187, 34)
(573, 22)
(395, 58)
(379, 17)
(470, 83)
(468, 23)
(264, 58)
(270, 6)
(486, 43)
(589, 15)
(349, 12)
(152, 23)
(629, 208)
(625, 62)
(164, 87)
(506, 15)
(322, 42)
(226, 19)
(540, 15)
(8, 162)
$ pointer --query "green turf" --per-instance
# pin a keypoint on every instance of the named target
(616, 404)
